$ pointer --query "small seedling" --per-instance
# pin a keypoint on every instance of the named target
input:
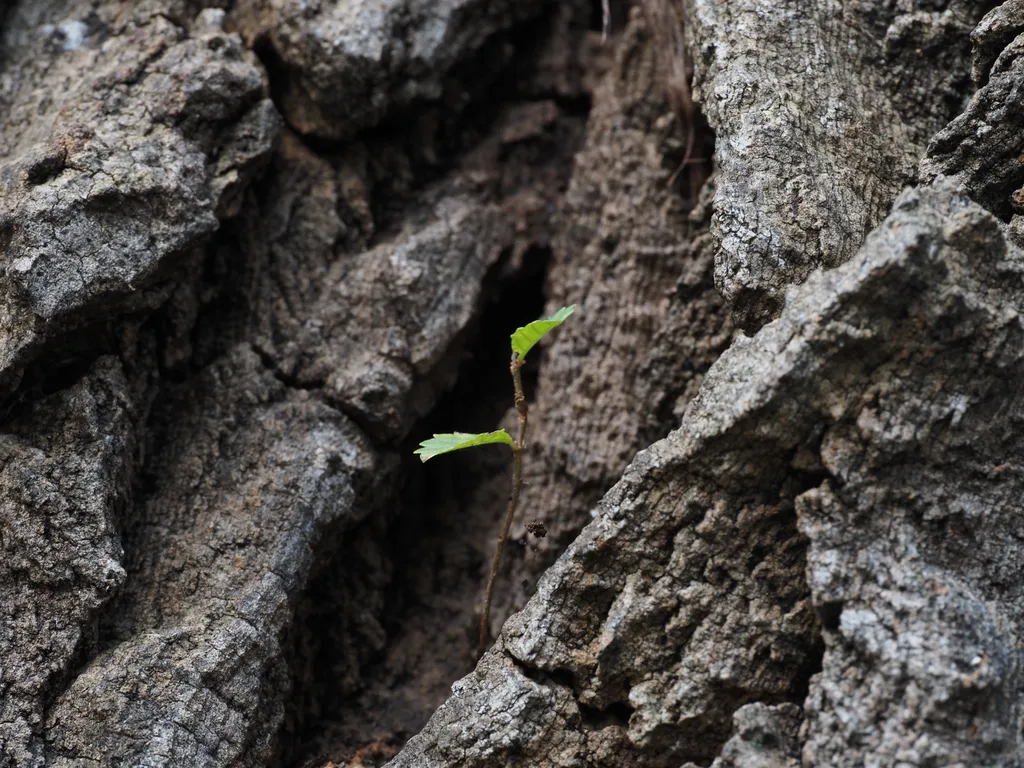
(523, 341)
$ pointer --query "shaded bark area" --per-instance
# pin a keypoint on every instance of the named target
(633, 252)
(392, 620)
(648, 293)
(685, 598)
(252, 252)
(298, 335)
(647, 639)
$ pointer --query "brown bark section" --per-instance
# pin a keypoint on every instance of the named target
(250, 255)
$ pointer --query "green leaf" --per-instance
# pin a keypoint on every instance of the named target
(456, 441)
(524, 338)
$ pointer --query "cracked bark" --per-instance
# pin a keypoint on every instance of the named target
(248, 256)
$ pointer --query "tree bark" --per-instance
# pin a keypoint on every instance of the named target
(252, 252)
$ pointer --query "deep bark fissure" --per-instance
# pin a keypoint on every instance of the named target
(222, 339)
(220, 320)
(434, 521)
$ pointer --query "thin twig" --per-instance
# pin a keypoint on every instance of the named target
(513, 499)
(606, 20)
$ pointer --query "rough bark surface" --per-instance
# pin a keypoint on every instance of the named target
(348, 65)
(872, 430)
(125, 135)
(822, 111)
(634, 255)
(251, 252)
(891, 372)
(66, 477)
(982, 147)
(227, 467)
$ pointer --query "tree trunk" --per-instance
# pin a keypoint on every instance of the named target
(252, 253)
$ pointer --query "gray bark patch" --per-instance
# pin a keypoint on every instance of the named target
(250, 256)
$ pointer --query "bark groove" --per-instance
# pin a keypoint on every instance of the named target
(251, 252)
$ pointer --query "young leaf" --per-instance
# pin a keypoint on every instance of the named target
(524, 338)
(456, 441)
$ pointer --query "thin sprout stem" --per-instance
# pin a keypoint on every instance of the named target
(513, 499)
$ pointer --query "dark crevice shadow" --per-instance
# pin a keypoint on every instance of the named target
(390, 621)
